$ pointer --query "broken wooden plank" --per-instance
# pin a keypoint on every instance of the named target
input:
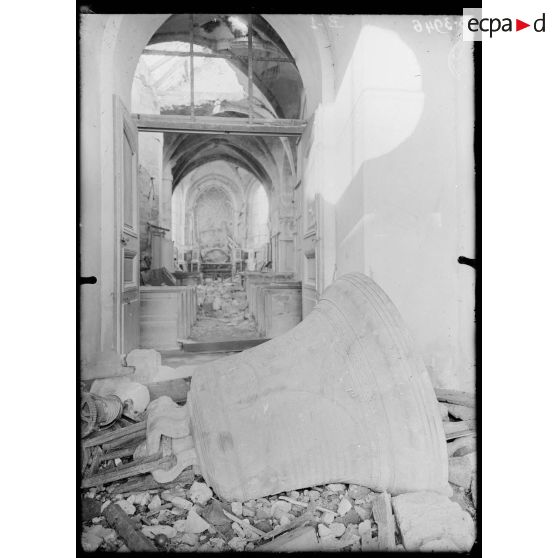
(145, 465)
(149, 483)
(247, 526)
(235, 345)
(114, 434)
(383, 516)
(461, 412)
(305, 505)
(221, 54)
(95, 462)
(135, 540)
(459, 428)
(299, 521)
(301, 539)
(118, 454)
(133, 437)
(218, 124)
(455, 397)
(162, 507)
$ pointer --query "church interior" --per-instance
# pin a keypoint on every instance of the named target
(277, 332)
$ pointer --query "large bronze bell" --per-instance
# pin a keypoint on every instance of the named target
(342, 397)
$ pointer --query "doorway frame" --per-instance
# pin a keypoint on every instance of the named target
(137, 123)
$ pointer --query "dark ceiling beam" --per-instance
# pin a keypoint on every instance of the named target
(227, 56)
(218, 125)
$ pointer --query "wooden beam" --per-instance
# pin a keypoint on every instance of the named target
(459, 428)
(455, 397)
(232, 346)
(108, 436)
(383, 516)
(218, 125)
(135, 540)
(226, 56)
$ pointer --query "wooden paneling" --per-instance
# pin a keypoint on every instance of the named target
(127, 229)
(166, 315)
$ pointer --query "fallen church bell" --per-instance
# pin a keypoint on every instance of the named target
(342, 397)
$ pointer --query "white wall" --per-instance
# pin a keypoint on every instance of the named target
(392, 159)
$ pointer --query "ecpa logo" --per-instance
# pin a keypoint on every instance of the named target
(494, 25)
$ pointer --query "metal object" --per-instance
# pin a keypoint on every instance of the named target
(98, 411)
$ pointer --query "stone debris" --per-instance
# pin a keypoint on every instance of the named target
(429, 521)
(191, 539)
(90, 542)
(223, 304)
(424, 521)
(139, 499)
(280, 508)
(461, 469)
(195, 524)
(93, 537)
(130, 509)
(186, 516)
(200, 493)
(357, 492)
(344, 506)
(365, 528)
(237, 543)
(181, 503)
(152, 531)
(337, 529)
(155, 503)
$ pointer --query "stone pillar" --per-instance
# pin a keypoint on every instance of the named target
(161, 249)
(165, 199)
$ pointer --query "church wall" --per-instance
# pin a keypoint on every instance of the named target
(391, 158)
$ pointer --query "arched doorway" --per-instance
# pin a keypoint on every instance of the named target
(218, 101)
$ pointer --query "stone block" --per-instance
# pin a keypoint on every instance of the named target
(461, 469)
(357, 492)
(144, 361)
(430, 521)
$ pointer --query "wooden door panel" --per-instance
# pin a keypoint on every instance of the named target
(127, 230)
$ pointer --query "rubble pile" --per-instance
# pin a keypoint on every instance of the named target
(222, 310)
(186, 516)
(223, 299)
(458, 418)
(191, 518)
(125, 509)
